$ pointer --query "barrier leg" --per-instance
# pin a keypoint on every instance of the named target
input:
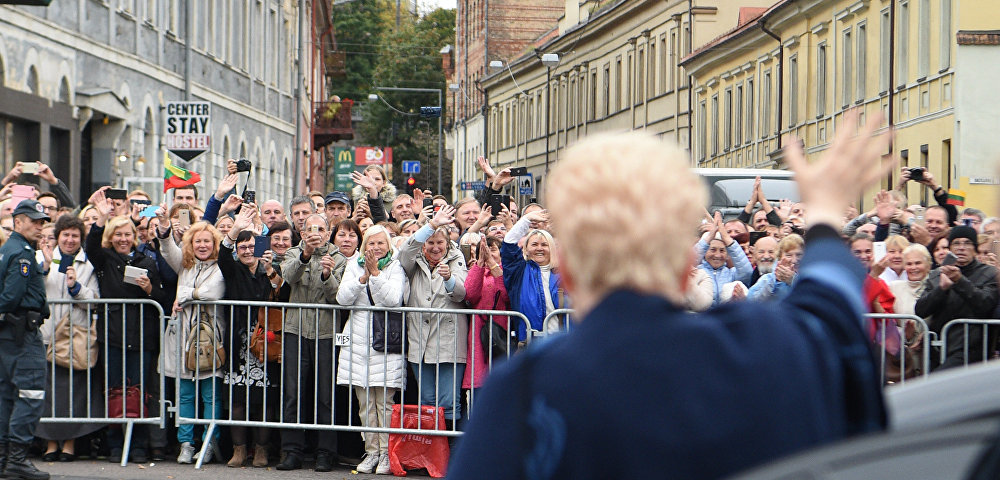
(205, 445)
(127, 447)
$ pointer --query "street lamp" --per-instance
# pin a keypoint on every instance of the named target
(440, 92)
(549, 60)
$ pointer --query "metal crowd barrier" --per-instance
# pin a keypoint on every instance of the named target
(94, 317)
(563, 325)
(292, 401)
(965, 324)
(885, 357)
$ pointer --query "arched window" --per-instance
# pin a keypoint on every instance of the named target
(33, 80)
(64, 90)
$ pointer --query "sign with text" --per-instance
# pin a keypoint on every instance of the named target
(373, 156)
(479, 185)
(343, 165)
(188, 128)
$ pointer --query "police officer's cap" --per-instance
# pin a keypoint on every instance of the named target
(32, 209)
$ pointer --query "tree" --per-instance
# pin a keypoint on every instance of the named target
(359, 27)
(409, 57)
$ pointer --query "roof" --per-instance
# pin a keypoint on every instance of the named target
(750, 17)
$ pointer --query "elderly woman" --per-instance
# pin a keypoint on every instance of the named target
(70, 276)
(249, 278)
(716, 248)
(917, 263)
(528, 275)
(484, 290)
(372, 278)
(777, 283)
(890, 268)
(195, 259)
(436, 346)
(132, 330)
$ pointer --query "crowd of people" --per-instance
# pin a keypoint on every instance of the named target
(378, 247)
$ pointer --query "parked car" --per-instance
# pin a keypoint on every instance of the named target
(945, 426)
(730, 188)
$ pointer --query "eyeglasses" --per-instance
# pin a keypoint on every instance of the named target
(961, 243)
(244, 248)
(497, 229)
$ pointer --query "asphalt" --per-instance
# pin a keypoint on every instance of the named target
(101, 469)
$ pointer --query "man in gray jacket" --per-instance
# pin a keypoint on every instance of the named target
(313, 269)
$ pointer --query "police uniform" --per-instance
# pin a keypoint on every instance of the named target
(22, 355)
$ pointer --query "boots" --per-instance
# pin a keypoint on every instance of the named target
(260, 456)
(239, 456)
(18, 465)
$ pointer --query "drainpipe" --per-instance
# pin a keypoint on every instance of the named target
(189, 10)
(299, 90)
(781, 75)
(690, 82)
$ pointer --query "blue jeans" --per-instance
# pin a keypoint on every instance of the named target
(440, 385)
(211, 406)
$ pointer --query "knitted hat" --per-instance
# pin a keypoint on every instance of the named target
(964, 232)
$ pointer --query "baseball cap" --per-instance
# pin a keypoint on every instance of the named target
(31, 208)
(337, 197)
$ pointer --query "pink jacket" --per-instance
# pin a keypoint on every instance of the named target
(480, 291)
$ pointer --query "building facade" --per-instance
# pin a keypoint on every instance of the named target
(83, 86)
(618, 69)
(794, 69)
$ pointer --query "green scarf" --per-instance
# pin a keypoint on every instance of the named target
(382, 262)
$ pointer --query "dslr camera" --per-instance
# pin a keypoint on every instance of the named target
(243, 165)
(917, 173)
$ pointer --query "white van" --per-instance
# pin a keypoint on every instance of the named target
(730, 188)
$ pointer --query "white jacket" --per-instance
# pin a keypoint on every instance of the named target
(203, 281)
(360, 364)
(55, 289)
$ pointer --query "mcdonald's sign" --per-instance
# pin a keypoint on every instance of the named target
(343, 160)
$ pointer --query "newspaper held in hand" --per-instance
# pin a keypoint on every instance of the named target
(132, 274)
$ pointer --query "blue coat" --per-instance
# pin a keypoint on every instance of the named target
(523, 281)
(641, 389)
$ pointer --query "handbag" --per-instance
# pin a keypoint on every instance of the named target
(387, 329)
(266, 337)
(135, 405)
(497, 341)
(73, 346)
(205, 351)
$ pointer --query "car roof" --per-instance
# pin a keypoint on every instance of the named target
(945, 397)
(743, 172)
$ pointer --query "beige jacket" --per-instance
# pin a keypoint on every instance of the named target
(308, 286)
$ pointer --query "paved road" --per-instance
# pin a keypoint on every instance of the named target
(100, 469)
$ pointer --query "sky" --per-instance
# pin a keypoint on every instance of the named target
(429, 5)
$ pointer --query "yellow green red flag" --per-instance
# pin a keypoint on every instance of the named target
(174, 176)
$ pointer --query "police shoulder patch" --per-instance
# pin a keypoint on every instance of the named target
(25, 267)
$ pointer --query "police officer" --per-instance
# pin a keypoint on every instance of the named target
(22, 356)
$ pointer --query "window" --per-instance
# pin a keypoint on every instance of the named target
(765, 105)
(628, 82)
(847, 64)
(607, 89)
(665, 67)
(738, 116)
(618, 83)
(593, 95)
(821, 80)
(902, 45)
(702, 130)
(862, 59)
(275, 43)
(793, 91)
(571, 106)
(924, 39)
(945, 34)
(883, 74)
(673, 59)
(651, 74)
(750, 110)
(715, 125)
(728, 106)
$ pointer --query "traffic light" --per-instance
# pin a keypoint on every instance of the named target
(410, 183)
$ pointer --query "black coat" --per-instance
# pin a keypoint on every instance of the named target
(133, 326)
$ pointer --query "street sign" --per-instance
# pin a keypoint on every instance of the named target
(480, 185)
(526, 184)
(189, 128)
(411, 166)
(373, 156)
(343, 165)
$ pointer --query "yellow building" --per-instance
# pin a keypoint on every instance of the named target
(617, 70)
(796, 67)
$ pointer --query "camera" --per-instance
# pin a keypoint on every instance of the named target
(917, 174)
(249, 196)
(243, 165)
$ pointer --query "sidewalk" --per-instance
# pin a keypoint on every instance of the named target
(101, 469)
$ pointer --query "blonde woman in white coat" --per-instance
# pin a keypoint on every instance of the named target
(375, 376)
(74, 281)
(198, 278)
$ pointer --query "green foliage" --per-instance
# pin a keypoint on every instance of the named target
(359, 28)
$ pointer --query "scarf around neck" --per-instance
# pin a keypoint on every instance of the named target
(382, 262)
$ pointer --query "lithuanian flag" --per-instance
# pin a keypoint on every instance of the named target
(956, 197)
(174, 176)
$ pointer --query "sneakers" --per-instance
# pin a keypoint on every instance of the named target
(383, 465)
(210, 453)
(187, 453)
(368, 464)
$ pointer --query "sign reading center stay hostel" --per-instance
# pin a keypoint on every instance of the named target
(189, 128)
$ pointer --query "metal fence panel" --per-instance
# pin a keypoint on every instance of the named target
(965, 324)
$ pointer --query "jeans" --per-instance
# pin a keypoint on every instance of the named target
(440, 385)
(211, 406)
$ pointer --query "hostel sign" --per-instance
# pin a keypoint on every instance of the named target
(188, 128)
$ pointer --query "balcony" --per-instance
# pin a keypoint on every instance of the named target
(331, 122)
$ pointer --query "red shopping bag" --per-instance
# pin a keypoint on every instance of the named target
(413, 451)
